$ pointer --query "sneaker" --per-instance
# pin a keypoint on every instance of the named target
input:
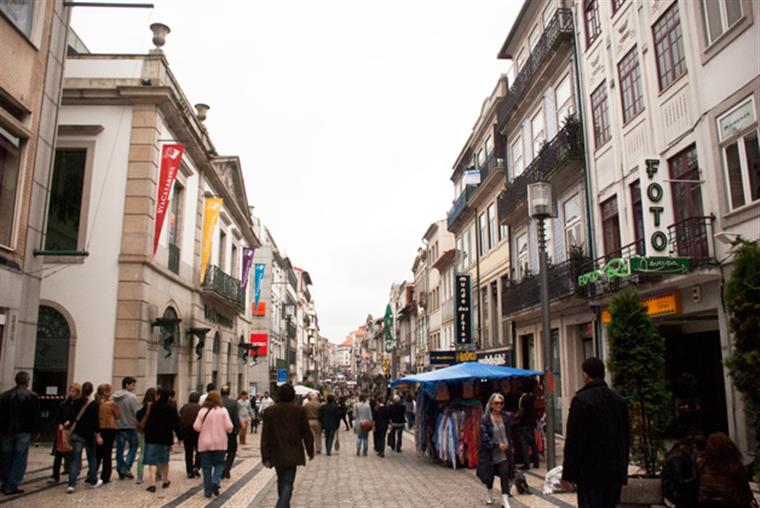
(53, 480)
(70, 490)
(97, 483)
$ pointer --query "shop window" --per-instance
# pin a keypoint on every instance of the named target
(491, 215)
(600, 112)
(20, 13)
(719, 16)
(65, 209)
(573, 226)
(518, 165)
(564, 99)
(631, 93)
(10, 156)
(611, 227)
(668, 43)
(537, 132)
(741, 154)
(638, 216)
(591, 18)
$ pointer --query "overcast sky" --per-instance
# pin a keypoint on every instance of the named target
(347, 116)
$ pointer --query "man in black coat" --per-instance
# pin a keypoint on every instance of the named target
(398, 420)
(382, 417)
(19, 421)
(232, 408)
(329, 419)
(596, 444)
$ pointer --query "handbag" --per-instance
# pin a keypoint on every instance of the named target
(366, 426)
(64, 446)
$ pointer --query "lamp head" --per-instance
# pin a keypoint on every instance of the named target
(540, 203)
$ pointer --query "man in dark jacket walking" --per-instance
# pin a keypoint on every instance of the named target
(329, 419)
(382, 418)
(596, 444)
(398, 420)
(232, 408)
(19, 419)
(284, 435)
(189, 436)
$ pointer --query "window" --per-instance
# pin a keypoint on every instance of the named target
(591, 17)
(719, 16)
(65, 210)
(600, 112)
(611, 227)
(461, 254)
(563, 98)
(573, 227)
(483, 233)
(668, 43)
(20, 12)
(175, 207)
(522, 256)
(233, 260)
(520, 62)
(503, 232)
(488, 145)
(484, 324)
(480, 159)
(616, 5)
(631, 93)
(741, 155)
(495, 312)
(638, 217)
(517, 157)
(491, 214)
(222, 249)
(537, 132)
(10, 154)
(535, 34)
(691, 236)
(473, 244)
(549, 236)
(548, 13)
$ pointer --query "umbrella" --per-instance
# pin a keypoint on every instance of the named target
(467, 370)
(304, 390)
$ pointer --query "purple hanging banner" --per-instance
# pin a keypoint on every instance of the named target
(247, 260)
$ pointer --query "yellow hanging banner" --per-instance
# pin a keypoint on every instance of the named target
(210, 218)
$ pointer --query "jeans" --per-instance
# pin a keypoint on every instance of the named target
(396, 436)
(409, 419)
(103, 453)
(123, 436)
(286, 477)
(329, 438)
(526, 436)
(14, 451)
(231, 452)
(77, 443)
(607, 496)
(379, 436)
(192, 457)
(60, 458)
(502, 471)
(212, 464)
(362, 442)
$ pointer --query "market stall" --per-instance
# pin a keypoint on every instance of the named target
(450, 404)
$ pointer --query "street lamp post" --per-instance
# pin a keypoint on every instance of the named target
(540, 208)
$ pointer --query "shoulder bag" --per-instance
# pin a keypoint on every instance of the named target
(63, 437)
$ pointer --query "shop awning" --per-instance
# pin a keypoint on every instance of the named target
(465, 371)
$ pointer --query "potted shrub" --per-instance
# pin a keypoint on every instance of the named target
(637, 365)
(742, 297)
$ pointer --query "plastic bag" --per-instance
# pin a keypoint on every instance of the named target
(553, 481)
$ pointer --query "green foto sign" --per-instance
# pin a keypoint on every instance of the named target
(619, 268)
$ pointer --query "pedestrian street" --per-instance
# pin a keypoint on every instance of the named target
(341, 480)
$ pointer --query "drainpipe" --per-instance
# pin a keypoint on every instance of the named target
(479, 345)
(579, 102)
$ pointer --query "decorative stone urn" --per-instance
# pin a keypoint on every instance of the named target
(160, 31)
(201, 110)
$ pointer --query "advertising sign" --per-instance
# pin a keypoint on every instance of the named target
(210, 218)
(262, 341)
(660, 305)
(462, 310)
(282, 376)
(452, 357)
(656, 202)
(258, 277)
(171, 156)
(247, 259)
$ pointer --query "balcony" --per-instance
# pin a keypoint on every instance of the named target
(488, 165)
(527, 292)
(566, 146)
(692, 238)
(460, 204)
(224, 287)
(560, 29)
(291, 329)
(174, 258)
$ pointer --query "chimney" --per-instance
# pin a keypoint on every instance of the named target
(160, 31)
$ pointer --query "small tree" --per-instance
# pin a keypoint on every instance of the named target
(637, 364)
(742, 297)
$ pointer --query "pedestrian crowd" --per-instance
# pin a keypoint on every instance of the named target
(97, 420)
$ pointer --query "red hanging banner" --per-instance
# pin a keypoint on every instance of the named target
(171, 156)
(262, 341)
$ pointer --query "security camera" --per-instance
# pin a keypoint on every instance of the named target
(728, 238)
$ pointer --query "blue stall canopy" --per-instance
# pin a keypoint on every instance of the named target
(465, 371)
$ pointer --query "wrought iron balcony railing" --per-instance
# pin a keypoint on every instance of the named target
(559, 28)
(174, 258)
(460, 204)
(291, 329)
(519, 295)
(488, 165)
(566, 146)
(692, 238)
(223, 285)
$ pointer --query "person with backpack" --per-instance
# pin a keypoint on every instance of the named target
(213, 425)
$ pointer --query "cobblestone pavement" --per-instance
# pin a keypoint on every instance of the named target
(343, 480)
